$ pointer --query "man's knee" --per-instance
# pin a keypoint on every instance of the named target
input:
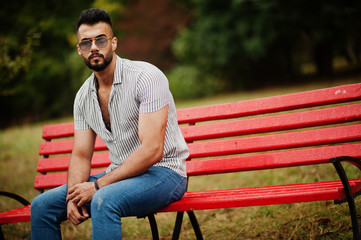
(40, 207)
(100, 202)
(50, 201)
(103, 205)
(36, 204)
(96, 202)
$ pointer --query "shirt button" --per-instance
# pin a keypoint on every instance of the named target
(115, 142)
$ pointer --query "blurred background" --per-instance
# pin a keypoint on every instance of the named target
(205, 47)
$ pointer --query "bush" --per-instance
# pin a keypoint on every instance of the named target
(187, 82)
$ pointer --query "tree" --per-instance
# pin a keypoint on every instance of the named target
(148, 29)
(36, 64)
(250, 42)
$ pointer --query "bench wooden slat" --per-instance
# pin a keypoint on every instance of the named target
(271, 104)
(58, 130)
(300, 157)
(274, 123)
(276, 141)
(16, 215)
(66, 146)
(55, 180)
(61, 163)
(257, 196)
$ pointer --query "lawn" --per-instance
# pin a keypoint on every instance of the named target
(19, 146)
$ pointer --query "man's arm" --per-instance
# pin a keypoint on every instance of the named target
(151, 130)
(79, 171)
(79, 167)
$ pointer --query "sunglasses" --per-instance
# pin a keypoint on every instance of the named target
(100, 42)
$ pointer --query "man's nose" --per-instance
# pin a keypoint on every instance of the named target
(94, 47)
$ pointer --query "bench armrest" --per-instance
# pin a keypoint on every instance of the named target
(353, 160)
(16, 197)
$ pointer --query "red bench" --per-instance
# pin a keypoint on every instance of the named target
(313, 127)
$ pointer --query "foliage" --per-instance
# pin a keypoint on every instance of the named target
(242, 43)
(187, 82)
(115, 8)
(248, 41)
(35, 68)
(40, 70)
(15, 58)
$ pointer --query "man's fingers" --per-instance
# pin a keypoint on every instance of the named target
(71, 190)
(72, 194)
(81, 203)
(77, 219)
(84, 211)
(79, 200)
(75, 214)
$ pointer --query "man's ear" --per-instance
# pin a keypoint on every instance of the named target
(114, 43)
(78, 48)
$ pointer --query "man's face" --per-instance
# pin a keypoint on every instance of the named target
(96, 45)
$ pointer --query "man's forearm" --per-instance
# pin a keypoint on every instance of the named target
(78, 172)
(137, 163)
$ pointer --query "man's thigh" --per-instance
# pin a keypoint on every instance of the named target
(51, 204)
(140, 195)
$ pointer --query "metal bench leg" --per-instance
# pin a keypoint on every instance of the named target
(177, 226)
(195, 225)
(194, 222)
(1, 234)
(349, 196)
(153, 226)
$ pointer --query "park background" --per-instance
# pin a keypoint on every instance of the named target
(212, 52)
(205, 47)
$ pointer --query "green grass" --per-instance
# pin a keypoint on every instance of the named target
(19, 148)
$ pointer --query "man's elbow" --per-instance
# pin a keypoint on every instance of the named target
(156, 152)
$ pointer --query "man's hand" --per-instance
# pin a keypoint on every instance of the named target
(75, 214)
(81, 193)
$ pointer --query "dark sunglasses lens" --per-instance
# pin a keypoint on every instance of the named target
(101, 42)
(85, 46)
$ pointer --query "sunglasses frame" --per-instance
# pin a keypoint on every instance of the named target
(81, 44)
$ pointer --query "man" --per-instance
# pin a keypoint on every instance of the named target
(129, 106)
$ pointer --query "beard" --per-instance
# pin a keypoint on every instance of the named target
(98, 66)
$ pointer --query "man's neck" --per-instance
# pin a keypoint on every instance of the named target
(106, 77)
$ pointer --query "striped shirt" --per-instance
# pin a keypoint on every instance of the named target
(138, 87)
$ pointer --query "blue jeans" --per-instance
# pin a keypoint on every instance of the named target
(136, 196)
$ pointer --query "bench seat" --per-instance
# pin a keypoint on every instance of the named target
(231, 198)
(16, 215)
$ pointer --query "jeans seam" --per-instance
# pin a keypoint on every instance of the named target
(171, 195)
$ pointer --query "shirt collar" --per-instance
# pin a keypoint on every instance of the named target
(118, 71)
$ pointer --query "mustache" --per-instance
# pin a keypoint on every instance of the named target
(95, 55)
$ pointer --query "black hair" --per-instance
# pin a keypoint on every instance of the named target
(93, 16)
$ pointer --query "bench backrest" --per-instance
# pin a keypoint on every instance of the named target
(281, 131)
